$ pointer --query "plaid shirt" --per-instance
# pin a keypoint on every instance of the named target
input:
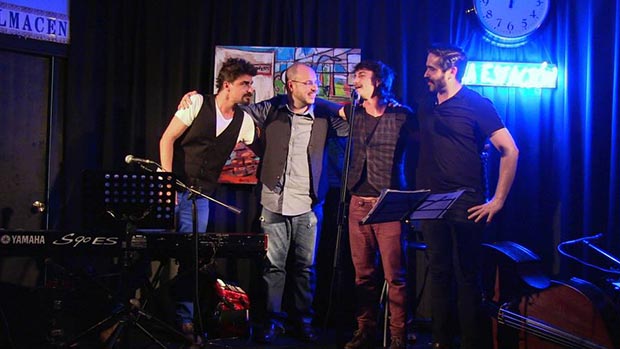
(380, 150)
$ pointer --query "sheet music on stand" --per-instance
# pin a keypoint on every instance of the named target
(435, 205)
(398, 205)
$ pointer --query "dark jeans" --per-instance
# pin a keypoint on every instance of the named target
(454, 255)
(298, 233)
(368, 243)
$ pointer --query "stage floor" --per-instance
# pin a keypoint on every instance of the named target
(328, 339)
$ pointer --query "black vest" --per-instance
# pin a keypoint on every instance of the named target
(198, 154)
(382, 154)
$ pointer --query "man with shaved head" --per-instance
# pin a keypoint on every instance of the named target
(294, 185)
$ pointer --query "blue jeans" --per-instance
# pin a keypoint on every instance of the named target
(184, 286)
(183, 212)
(286, 232)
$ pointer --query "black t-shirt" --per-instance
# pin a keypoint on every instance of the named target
(452, 137)
(362, 187)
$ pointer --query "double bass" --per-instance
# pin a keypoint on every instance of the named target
(532, 312)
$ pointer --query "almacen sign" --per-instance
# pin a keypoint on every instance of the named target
(34, 23)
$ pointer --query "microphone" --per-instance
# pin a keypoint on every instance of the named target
(593, 237)
(355, 97)
(130, 158)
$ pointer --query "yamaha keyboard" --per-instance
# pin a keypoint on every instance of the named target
(155, 244)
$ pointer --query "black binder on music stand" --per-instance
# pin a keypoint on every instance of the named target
(398, 205)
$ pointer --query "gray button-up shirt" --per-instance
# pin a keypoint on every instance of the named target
(292, 196)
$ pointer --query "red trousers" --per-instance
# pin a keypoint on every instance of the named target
(368, 244)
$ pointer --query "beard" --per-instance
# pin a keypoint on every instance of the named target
(246, 99)
(436, 85)
(304, 100)
(310, 98)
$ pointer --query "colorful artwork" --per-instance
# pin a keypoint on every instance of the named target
(334, 68)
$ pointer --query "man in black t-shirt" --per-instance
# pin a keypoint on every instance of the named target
(454, 127)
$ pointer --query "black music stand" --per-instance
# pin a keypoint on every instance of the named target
(129, 200)
(146, 199)
(402, 205)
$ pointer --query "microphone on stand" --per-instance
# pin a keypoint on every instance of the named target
(355, 97)
(132, 159)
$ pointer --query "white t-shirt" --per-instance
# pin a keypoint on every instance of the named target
(188, 115)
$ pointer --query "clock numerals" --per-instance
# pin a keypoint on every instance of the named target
(509, 27)
(498, 23)
(524, 24)
(511, 21)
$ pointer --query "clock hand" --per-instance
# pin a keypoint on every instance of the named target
(510, 4)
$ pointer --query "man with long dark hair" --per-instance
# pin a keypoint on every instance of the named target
(381, 136)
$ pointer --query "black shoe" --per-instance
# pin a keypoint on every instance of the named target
(307, 333)
(269, 333)
(411, 337)
(361, 339)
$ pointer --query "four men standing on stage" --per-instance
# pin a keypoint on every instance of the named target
(453, 128)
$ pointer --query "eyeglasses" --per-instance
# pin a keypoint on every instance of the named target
(308, 83)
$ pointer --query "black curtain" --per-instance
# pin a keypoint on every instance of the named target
(129, 63)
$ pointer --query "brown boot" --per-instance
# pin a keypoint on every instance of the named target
(105, 334)
(398, 343)
(361, 340)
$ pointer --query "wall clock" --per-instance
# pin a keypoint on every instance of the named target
(511, 21)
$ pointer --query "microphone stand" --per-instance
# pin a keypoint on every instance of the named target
(194, 194)
(600, 250)
(190, 189)
(342, 217)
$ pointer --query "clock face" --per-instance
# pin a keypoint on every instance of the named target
(511, 19)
